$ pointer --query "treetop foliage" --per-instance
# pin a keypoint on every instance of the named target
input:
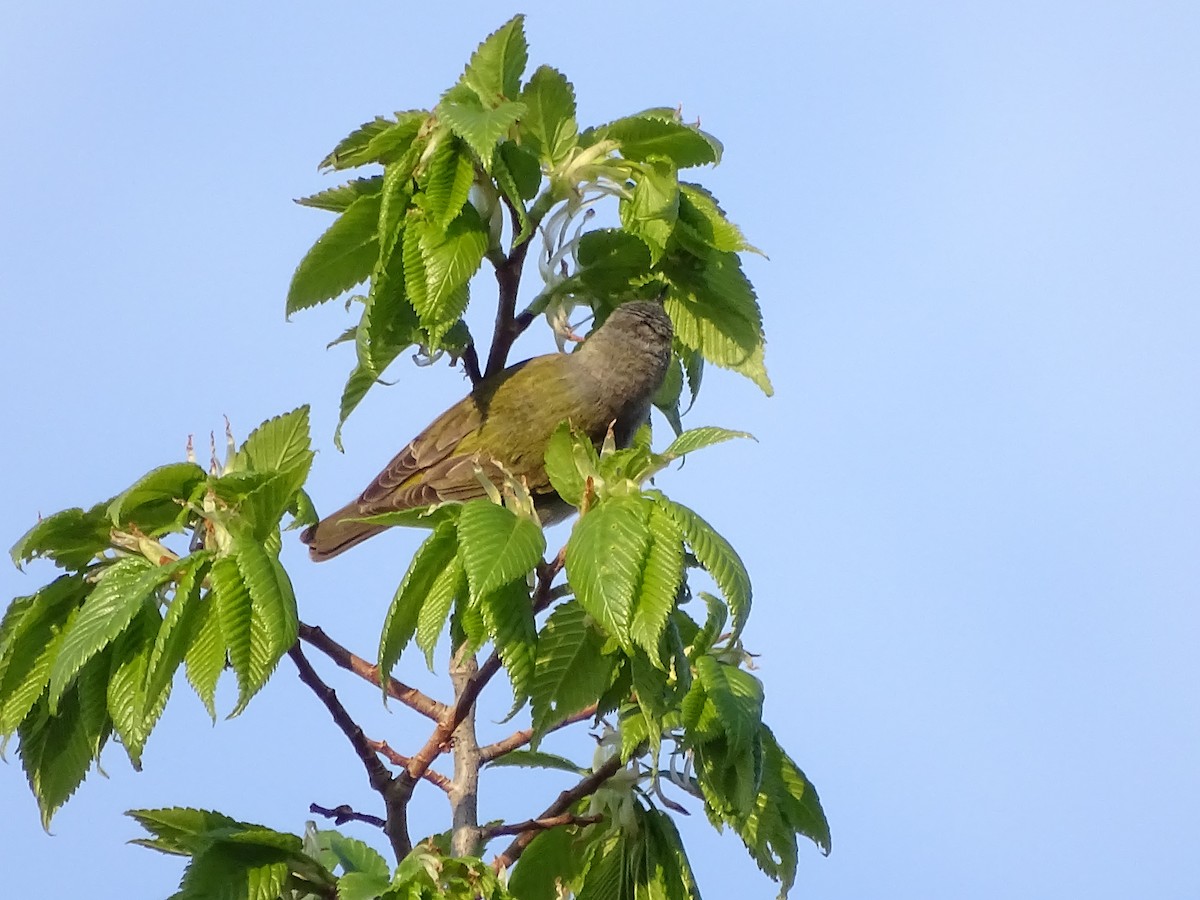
(181, 571)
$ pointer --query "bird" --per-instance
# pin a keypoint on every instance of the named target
(504, 426)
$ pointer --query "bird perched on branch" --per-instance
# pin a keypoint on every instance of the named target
(505, 424)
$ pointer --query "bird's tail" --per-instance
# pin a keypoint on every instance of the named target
(337, 533)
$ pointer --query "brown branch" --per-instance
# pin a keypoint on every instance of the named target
(586, 787)
(343, 814)
(508, 279)
(378, 776)
(397, 690)
(439, 741)
(399, 759)
(542, 824)
(543, 596)
(519, 739)
(470, 360)
(464, 793)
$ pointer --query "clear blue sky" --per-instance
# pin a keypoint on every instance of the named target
(974, 512)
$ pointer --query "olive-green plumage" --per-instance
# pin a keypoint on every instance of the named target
(508, 420)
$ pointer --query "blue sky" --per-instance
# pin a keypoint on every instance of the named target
(971, 516)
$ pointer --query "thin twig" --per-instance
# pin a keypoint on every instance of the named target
(545, 824)
(343, 814)
(378, 776)
(565, 801)
(519, 739)
(397, 690)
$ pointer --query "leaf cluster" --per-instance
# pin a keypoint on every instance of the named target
(232, 860)
(417, 232)
(94, 652)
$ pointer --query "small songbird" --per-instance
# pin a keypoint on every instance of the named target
(505, 424)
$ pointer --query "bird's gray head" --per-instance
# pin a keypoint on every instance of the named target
(632, 349)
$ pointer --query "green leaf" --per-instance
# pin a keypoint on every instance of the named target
(388, 325)
(613, 869)
(273, 624)
(606, 554)
(232, 598)
(178, 830)
(568, 464)
(651, 209)
(33, 629)
(718, 614)
(431, 620)
(231, 872)
(111, 606)
(361, 886)
(450, 258)
(157, 501)
(610, 259)
(535, 759)
(508, 614)
(56, 752)
(480, 127)
(719, 559)
(715, 312)
(550, 860)
(376, 141)
(354, 856)
(548, 127)
(91, 687)
(571, 672)
(494, 72)
(512, 185)
(413, 261)
(394, 202)
(703, 220)
(668, 872)
(205, 655)
(738, 698)
(496, 546)
(132, 715)
(525, 171)
(179, 627)
(642, 137)
(71, 538)
(338, 199)
(698, 438)
(660, 581)
(429, 563)
(278, 445)
(451, 174)
(341, 258)
(785, 808)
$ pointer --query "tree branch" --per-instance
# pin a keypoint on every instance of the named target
(464, 791)
(586, 787)
(343, 814)
(519, 739)
(396, 689)
(439, 741)
(470, 360)
(546, 824)
(396, 824)
(397, 758)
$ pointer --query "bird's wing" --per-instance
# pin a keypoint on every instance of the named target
(438, 464)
